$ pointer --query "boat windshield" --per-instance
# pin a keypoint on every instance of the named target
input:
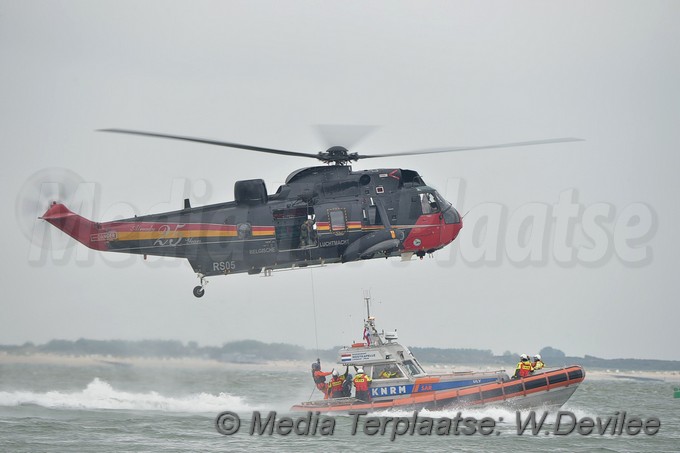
(387, 372)
(413, 367)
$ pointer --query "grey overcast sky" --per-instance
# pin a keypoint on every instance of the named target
(569, 245)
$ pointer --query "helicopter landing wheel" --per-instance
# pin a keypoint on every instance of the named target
(199, 290)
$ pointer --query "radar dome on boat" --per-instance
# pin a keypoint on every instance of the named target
(391, 336)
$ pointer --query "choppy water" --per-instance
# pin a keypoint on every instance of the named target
(107, 407)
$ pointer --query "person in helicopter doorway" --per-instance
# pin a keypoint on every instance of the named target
(537, 363)
(362, 383)
(320, 378)
(524, 367)
(307, 233)
(337, 383)
(312, 232)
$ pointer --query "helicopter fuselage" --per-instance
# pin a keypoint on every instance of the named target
(323, 214)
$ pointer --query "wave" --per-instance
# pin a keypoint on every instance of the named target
(101, 395)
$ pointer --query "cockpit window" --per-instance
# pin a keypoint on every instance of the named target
(442, 202)
(449, 212)
(428, 203)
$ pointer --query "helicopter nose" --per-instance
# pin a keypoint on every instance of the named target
(451, 225)
(433, 231)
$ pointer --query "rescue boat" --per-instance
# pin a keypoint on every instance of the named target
(410, 387)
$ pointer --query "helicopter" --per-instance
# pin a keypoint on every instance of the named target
(320, 215)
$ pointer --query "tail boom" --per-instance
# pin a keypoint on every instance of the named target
(79, 228)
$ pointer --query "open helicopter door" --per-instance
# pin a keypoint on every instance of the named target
(295, 228)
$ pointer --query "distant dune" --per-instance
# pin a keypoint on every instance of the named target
(259, 355)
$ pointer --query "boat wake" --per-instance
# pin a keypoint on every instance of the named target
(101, 395)
(507, 415)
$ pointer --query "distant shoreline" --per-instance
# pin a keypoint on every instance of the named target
(246, 352)
(288, 365)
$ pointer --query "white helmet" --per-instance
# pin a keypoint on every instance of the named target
(537, 357)
(335, 373)
(524, 357)
(360, 370)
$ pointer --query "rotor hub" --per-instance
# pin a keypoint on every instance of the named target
(337, 151)
(338, 155)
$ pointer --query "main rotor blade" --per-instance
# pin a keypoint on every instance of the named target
(469, 148)
(212, 142)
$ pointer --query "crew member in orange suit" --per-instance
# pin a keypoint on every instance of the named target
(362, 382)
(320, 378)
(524, 367)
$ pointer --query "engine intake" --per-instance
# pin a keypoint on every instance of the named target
(250, 191)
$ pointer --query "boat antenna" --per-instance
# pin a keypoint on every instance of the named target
(367, 298)
(369, 322)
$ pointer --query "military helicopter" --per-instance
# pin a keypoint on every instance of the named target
(322, 214)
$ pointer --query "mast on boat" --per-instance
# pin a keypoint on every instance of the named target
(371, 334)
